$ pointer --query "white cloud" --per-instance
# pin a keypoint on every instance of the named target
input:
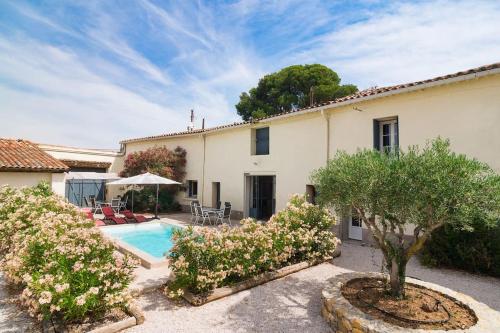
(136, 72)
(410, 42)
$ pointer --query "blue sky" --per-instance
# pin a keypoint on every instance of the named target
(91, 73)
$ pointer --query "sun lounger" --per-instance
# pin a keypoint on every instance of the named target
(134, 217)
(109, 215)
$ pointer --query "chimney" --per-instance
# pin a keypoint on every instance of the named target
(191, 123)
(203, 124)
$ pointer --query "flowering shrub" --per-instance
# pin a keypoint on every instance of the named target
(203, 258)
(66, 267)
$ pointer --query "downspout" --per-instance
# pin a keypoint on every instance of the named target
(203, 171)
(326, 115)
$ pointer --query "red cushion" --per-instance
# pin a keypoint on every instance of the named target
(99, 223)
(140, 218)
(108, 211)
(118, 220)
(128, 214)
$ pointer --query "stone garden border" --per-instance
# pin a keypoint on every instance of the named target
(343, 317)
(200, 299)
(136, 317)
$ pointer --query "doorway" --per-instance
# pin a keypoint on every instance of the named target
(216, 195)
(262, 200)
(355, 228)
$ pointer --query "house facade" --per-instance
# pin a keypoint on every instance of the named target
(257, 165)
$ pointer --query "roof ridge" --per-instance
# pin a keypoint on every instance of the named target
(357, 95)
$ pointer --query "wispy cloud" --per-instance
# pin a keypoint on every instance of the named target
(93, 73)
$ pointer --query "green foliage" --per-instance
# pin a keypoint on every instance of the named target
(427, 188)
(204, 259)
(476, 251)
(64, 265)
(145, 200)
(157, 160)
(160, 161)
(290, 88)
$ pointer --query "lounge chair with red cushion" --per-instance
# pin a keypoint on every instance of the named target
(134, 217)
(90, 215)
(109, 215)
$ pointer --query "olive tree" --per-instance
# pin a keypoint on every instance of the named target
(417, 190)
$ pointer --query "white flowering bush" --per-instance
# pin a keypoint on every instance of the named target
(203, 258)
(67, 269)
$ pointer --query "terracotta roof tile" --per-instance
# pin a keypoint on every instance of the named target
(23, 155)
(360, 94)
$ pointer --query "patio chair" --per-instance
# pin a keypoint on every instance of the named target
(96, 205)
(98, 222)
(115, 205)
(109, 215)
(129, 216)
(123, 204)
(193, 211)
(86, 202)
(224, 214)
(203, 214)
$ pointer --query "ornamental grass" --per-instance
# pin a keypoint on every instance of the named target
(66, 269)
(203, 259)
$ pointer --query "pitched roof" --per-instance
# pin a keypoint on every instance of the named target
(367, 93)
(23, 155)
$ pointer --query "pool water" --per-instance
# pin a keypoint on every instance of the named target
(152, 238)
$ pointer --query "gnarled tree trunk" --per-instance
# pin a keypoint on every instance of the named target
(397, 274)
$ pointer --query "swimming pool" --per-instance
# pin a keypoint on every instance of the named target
(149, 241)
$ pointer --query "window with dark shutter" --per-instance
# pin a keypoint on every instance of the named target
(262, 141)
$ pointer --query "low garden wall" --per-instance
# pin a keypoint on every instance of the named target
(343, 317)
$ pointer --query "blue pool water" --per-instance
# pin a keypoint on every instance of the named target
(152, 238)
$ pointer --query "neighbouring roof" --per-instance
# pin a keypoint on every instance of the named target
(23, 155)
(86, 164)
(363, 94)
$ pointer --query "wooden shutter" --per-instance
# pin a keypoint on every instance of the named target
(376, 134)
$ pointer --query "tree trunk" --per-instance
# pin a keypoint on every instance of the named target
(397, 277)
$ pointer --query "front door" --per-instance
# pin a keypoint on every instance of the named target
(355, 229)
(262, 200)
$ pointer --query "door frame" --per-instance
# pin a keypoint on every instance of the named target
(354, 231)
(248, 192)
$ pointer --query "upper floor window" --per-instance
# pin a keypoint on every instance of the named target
(261, 141)
(192, 186)
(386, 135)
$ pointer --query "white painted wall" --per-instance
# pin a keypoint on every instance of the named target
(20, 179)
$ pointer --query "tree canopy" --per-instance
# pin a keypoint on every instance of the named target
(291, 88)
(420, 188)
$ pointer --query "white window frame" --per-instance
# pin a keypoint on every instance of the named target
(393, 132)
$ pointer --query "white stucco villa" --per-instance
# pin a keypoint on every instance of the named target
(257, 165)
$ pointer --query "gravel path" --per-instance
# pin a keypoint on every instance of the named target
(292, 304)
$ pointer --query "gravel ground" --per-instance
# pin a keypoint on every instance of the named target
(292, 304)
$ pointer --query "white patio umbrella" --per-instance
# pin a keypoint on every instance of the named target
(146, 179)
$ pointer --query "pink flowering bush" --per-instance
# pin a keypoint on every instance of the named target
(203, 258)
(67, 269)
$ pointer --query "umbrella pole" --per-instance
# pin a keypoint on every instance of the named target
(156, 207)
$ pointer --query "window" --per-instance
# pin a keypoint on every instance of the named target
(261, 138)
(192, 188)
(311, 194)
(386, 135)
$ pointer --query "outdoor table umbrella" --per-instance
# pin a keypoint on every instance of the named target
(146, 179)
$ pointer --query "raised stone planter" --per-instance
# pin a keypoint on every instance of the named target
(343, 317)
(200, 299)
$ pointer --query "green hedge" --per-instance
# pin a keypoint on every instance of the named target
(145, 200)
(476, 251)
